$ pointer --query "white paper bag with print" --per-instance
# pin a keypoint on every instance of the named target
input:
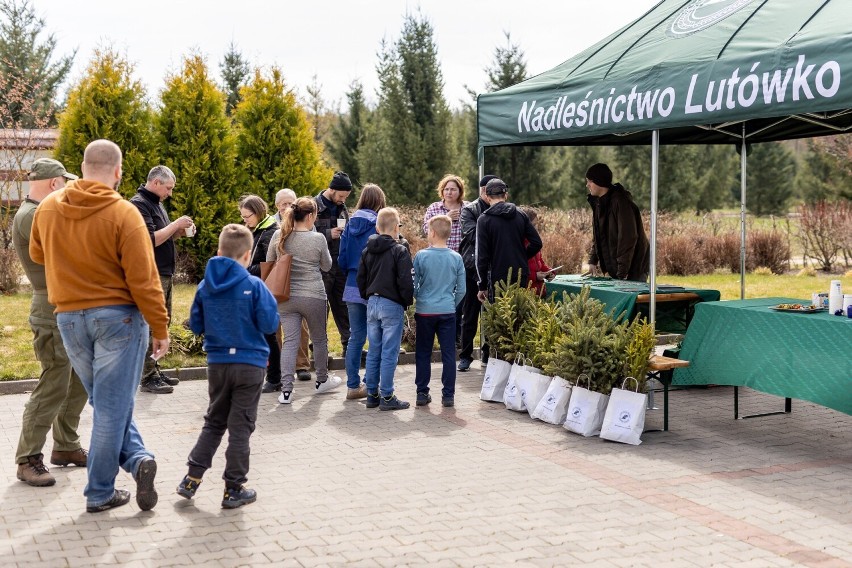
(585, 411)
(512, 394)
(624, 420)
(532, 385)
(553, 406)
(494, 383)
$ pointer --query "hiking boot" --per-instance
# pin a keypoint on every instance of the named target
(303, 375)
(464, 364)
(285, 397)
(171, 381)
(156, 385)
(331, 383)
(238, 497)
(270, 387)
(119, 498)
(78, 457)
(188, 487)
(34, 472)
(355, 394)
(423, 398)
(372, 399)
(448, 401)
(392, 403)
(146, 495)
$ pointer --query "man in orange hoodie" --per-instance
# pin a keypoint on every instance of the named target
(100, 272)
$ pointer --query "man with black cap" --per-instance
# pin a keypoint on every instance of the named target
(59, 397)
(501, 234)
(331, 218)
(471, 304)
(620, 247)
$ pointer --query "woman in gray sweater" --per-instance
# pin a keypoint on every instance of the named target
(307, 294)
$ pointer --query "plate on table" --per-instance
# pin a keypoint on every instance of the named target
(797, 308)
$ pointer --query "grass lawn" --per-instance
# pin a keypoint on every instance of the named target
(19, 362)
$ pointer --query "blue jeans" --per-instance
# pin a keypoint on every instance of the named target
(357, 338)
(106, 346)
(444, 326)
(385, 319)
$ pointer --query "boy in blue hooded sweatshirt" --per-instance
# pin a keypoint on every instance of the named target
(233, 310)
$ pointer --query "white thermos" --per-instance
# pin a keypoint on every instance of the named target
(835, 297)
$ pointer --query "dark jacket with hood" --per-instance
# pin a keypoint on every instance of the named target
(361, 226)
(262, 234)
(467, 219)
(620, 245)
(386, 269)
(501, 232)
(233, 310)
(156, 218)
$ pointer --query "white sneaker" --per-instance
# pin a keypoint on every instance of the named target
(286, 397)
(331, 383)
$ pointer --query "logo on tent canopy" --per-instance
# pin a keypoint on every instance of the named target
(702, 14)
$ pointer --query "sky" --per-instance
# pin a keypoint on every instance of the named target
(336, 41)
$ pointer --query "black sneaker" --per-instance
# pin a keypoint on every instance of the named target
(119, 498)
(270, 387)
(464, 364)
(188, 487)
(372, 399)
(303, 375)
(234, 498)
(146, 495)
(423, 398)
(156, 386)
(448, 401)
(392, 403)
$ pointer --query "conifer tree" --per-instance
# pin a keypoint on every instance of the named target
(195, 140)
(28, 64)
(275, 145)
(770, 170)
(108, 103)
(349, 132)
(408, 147)
(235, 72)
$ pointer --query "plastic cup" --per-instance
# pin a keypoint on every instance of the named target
(341, 223)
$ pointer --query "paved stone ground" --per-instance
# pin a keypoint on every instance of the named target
(477, 485)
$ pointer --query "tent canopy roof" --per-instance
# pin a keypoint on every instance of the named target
(694, 69)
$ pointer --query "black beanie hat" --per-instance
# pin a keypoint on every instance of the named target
(340, 182)
(600, 174)
(484, 181)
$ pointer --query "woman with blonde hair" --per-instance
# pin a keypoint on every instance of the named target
(451, 192)
(307, 294)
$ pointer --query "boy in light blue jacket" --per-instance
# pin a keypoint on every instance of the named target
(439, 287)
(233, 310)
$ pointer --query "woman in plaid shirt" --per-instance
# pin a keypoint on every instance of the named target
(451, 191)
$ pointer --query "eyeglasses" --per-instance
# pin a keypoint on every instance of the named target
(246, 217)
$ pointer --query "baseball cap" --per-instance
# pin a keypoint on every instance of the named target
(47, 168)
(496, 187)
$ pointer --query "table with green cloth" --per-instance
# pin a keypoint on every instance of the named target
(795, 355)
(632, 297)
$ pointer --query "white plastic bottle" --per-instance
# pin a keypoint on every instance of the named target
(835, 297)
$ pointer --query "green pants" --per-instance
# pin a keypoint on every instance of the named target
(58, 398)
(150, 367)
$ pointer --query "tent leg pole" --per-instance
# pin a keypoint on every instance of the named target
(743, 163)
(655, 165)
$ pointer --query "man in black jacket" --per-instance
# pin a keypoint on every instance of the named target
(505, 241)
(471, 304)
(149, 200)
(620, 247)
(331, 209)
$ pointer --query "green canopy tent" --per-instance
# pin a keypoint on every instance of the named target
(689, 72)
